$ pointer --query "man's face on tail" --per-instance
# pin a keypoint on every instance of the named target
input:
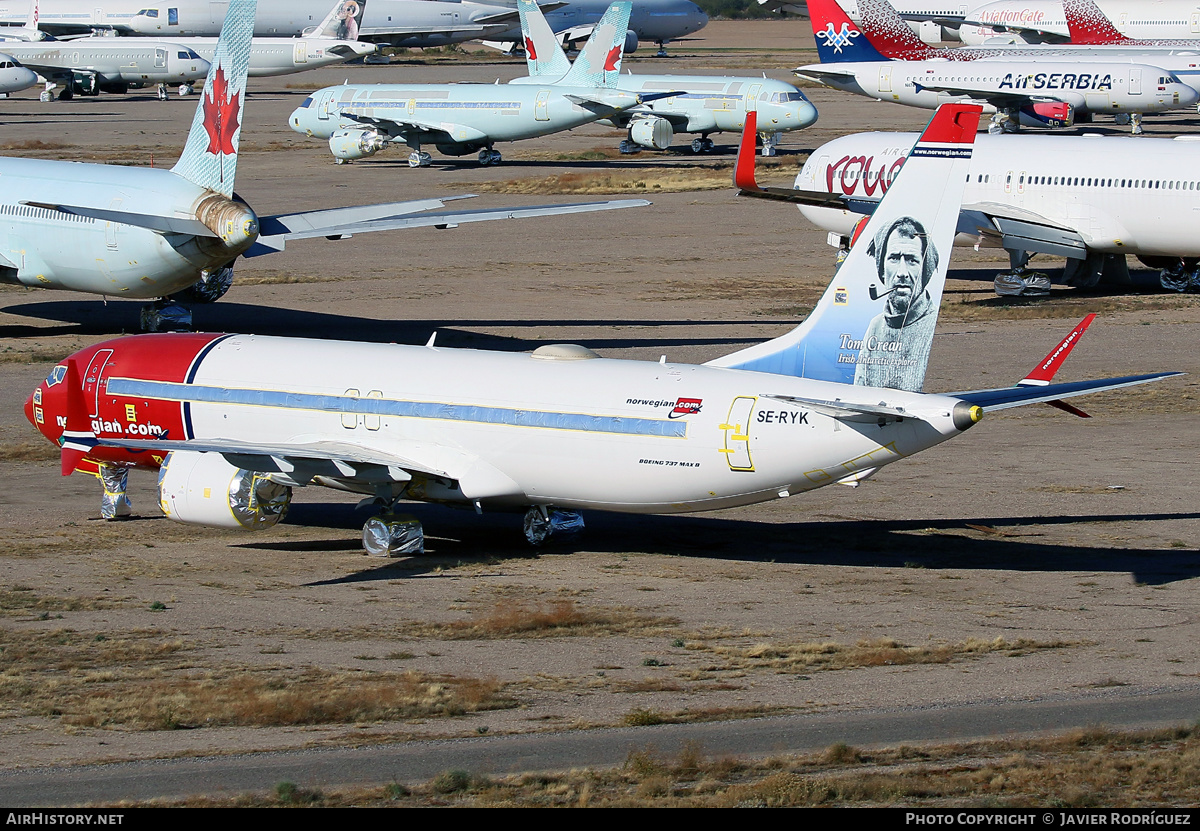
(902, 269)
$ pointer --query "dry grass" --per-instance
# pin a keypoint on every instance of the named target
(517, 618)
(1085, 769)
(149, 681)
(23, 600)
(643, 181)
(29, 451)
(813, 656)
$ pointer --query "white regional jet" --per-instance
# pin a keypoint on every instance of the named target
(152, 232)
(360, 119)
(1089, 198)
(95, 65)
(13, 76)
(562, 428)
(1031, 86)
(1044, 21)
(708, 104)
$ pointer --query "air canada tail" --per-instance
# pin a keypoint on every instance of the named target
(599, 62)
(543, 53)
(343, 21)
(874, 325)
(1088, 25)
(839, 39)
(210, 156)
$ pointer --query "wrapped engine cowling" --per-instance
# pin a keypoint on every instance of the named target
(652, 132)
(204, 489)
(1053, 114)
(355, 144)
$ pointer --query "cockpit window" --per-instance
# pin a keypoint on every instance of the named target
(149, 13)
(56, 376)
(307, 102)
(188, 54)
(7, 65)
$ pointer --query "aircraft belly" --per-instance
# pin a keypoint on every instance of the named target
(136, 264)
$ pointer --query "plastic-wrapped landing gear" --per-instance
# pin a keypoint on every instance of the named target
(165, 315)
(393, 535)
(114, 504)
(542, 524)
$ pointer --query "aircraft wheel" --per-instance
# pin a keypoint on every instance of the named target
(67, 94)
(185, 90)
(414, 159)
(698, 145)
(165, 315)
(485, 157)
(162, 92)
(708, 145)
(628, 147)
(496, 157)
(46, 97)
(393, 535)
(210, 288)
(542, 523)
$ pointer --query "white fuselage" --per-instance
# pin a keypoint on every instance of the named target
(285, 56)
(1122, 195)
(713, 104)
(13, 76)
(1138, 19)
(112, 60)
(1094, 87)
(50, 249)
(620, 435)
(476, 114)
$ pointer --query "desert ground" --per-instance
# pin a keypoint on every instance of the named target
(1038, 556)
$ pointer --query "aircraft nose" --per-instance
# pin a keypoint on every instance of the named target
(806, 114)
(697, 19)
(29, 413)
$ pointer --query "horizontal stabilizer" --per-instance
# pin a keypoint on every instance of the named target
(152, 222)
(845, 411)
(1002, 399)
(269, 243)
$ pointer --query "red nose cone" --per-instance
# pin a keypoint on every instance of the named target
(29, 410)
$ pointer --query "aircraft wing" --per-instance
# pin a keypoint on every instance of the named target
(153, 222)
(400, 126)
(1043, 35)
(823, 72)
(513, 17)
(1019, 396)
(995, 97)
(299, 463)
(345, 222)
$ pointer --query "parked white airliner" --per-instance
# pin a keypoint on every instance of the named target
(1091, 199)
(94, 65)
(152, 232)
(562, 428)
(708, 103)
(1044, 21)
(358, 120)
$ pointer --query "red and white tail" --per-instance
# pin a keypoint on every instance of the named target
(1045, 371)
(1088, 25)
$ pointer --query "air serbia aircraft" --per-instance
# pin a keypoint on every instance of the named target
(152, 232)
(1090, 199)
(711, 104)
(1032, 87)
(560, 428)
(360, 119)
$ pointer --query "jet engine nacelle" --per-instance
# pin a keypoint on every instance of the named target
(652, 132)
(204, 489)
(349, 145)
(631, 41)
(1051, 114)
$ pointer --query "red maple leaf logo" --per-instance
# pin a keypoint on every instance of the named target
(612, 62)
(529, 50)
(221, 116)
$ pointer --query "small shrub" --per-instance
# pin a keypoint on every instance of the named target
(451, 781)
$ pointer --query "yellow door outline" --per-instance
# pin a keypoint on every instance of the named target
(737, 433)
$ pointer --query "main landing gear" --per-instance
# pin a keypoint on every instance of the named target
(1134, 120)
(543, 523)
(172, 314)
(702, 145)
(489, 156)
(1020, 281)
(162, 92)
(418, 158)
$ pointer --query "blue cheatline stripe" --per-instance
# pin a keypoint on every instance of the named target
(437, 411)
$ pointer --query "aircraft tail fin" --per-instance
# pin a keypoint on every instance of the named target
(543, 53)
(599, 62)
(891, 35)
(209, 158)
(1088, 25)
(31, 22)
(839, 39)
(874, 324)
(342, 23)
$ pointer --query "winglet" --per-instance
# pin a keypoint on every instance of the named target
(743, 169)
(1045, 371)
(209, 158)
(1088, 25)
(78, 438)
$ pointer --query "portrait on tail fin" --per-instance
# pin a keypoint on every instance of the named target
(895, 348)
